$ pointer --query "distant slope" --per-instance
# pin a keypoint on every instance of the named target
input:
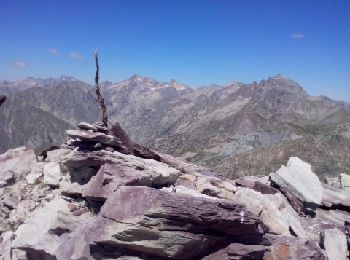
(38, 115)
(23, 124)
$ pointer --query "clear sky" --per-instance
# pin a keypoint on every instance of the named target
(195, 42)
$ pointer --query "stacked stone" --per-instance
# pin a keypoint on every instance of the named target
(94, 137)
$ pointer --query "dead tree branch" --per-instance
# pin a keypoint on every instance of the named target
(98, 93)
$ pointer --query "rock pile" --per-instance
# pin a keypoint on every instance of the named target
(100, 196)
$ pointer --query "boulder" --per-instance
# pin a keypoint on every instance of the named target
(59, 155)
(294, 200)
(335, 243)
(298, 177)
(274, 211)
(52, 174)
(167, 224)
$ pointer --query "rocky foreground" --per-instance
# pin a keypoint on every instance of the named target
(101, 196)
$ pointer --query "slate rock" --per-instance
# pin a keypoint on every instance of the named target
(167, 224)
(93, 137)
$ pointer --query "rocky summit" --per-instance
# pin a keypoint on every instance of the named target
(101, 196)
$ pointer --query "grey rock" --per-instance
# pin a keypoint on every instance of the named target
(35, 235)
(335, 244)
(274, 211)
(87, 126)
(345, 181)
(52, 174)
(299, 178)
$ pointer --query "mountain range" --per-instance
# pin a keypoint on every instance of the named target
(237, 129)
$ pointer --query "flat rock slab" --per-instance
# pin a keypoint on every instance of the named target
(158, 174)
(167, 224)
(93, 137)
(299, 178)
(87, 126)
(335, 197)
(274, 211)
(110, 177)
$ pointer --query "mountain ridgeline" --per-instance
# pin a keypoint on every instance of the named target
(238, 129)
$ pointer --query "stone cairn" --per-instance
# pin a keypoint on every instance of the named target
(96, 137)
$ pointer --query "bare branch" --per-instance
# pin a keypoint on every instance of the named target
(98, 93)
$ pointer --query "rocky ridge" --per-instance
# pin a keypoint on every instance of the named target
(237, 129)
(101, 196)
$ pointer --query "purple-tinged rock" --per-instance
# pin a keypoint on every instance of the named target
(171, 225)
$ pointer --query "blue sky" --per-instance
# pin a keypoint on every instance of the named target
(195, 42)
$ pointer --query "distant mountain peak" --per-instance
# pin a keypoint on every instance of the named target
(138, 78)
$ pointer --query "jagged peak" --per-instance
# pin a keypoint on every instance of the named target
(139, 78)
(281, 82)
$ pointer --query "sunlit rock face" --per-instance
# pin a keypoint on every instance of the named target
(101, 196)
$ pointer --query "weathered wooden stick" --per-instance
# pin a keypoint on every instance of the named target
(98, 93)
